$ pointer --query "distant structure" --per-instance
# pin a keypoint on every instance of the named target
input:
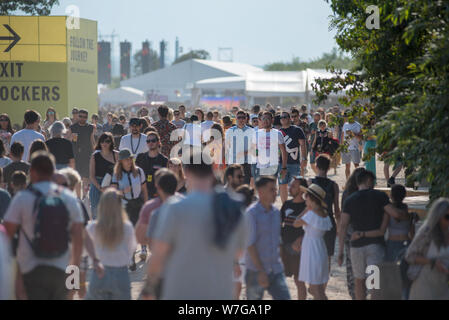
(104, 62)
(163, 46)
(125, 60)
(146, 57)
(177, 49)
(226, 54)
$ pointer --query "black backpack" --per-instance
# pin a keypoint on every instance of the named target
(51, 221)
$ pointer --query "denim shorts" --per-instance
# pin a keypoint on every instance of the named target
(114, 285)
(277, 287)
(351, 156)
(94, 197)
(293, 170)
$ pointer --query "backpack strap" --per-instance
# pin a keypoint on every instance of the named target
(38, 195)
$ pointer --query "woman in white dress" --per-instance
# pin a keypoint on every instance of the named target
(314, 264)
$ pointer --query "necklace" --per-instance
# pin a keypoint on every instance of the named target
(132, 145)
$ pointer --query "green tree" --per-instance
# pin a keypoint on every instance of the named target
(154, 62)
(33, 7)
(193, 54)
(402, 79)
(334, 58)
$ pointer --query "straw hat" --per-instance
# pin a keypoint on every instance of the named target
(317, 192)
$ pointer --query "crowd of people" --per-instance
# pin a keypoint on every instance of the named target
(194, 195)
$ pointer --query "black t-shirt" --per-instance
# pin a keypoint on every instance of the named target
(82, 148)
(289, 234)
(118, 131)
(149, 167)
(12, 167)
(291, 136)
(328, 186)
(366, 211)
(62, 150)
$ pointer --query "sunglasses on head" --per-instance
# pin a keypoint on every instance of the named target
(152, 140)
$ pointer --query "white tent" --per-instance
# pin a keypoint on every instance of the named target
(175, 83)
(121, 96)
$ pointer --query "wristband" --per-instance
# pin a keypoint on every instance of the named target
(284, 168)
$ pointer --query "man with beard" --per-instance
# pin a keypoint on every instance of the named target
(83, 141)
(135, 141)
(233, 177)
(151, 162)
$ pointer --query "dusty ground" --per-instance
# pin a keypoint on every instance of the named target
(336, 289)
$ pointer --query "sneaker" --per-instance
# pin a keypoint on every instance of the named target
(133, 266)
(143, 253)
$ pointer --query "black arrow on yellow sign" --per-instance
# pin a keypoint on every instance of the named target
(15, 37)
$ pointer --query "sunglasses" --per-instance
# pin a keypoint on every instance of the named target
(152, 140)
(82, 117)
(51, 112)
(107, 141)
(3, 119)
(285, 117)
(241, 117)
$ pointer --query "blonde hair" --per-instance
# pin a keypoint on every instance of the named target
(177, 162)
(118, 169)
(170, 114)
(109, 229)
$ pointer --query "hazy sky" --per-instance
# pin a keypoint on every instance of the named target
(259, 31)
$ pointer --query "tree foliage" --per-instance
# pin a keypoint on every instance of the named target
(193, 54)
(334, 58)
(403, 77)
(154, 62)
(33, 7)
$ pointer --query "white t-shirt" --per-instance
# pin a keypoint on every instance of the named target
(192, 134)
(26, 137)
(355, 128)
(268, 147)
(20, 212)
(121, 255)
(205, 126)
(138, 145)
(136, 183)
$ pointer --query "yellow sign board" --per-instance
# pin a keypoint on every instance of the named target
(44, 64)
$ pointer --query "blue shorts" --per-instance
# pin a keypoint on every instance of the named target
(293, 170)
(257, 172)
(312, 156)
